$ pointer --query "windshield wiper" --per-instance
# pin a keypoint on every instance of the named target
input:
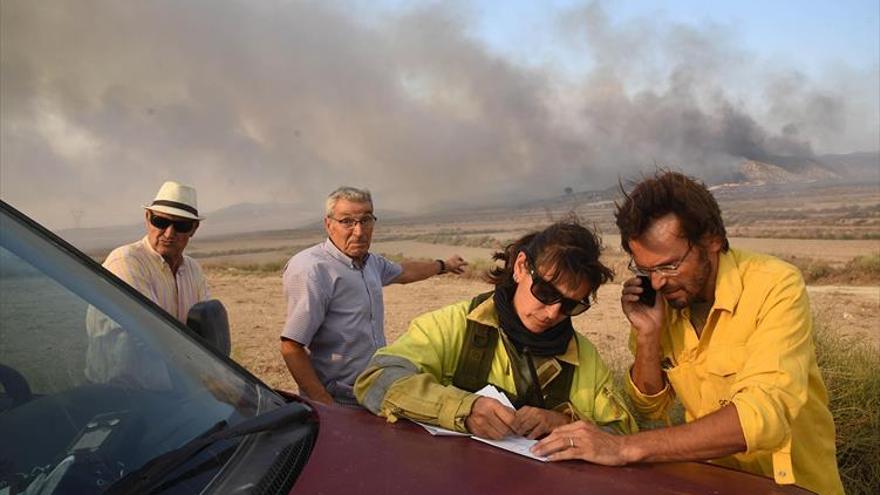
(148, 476)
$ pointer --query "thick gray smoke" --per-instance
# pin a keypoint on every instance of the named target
(274, 101)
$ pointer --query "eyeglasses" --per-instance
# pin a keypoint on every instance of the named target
(350, 223)
(669, 270)
(180, 226)
(549, 295)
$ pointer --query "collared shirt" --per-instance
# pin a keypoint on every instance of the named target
(413, 377)
(335, 309)
(756, 351)
(140, 266)
(113, 355)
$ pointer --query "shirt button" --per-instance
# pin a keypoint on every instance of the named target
(782, 474)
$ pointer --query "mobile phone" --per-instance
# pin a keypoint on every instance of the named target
(648, 295)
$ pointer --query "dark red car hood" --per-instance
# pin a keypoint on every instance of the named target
(358, 453)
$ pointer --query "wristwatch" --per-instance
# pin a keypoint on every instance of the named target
(442, 267)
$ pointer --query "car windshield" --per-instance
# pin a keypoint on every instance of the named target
(94, 383)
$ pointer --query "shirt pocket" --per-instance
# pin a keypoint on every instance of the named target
(722, 369)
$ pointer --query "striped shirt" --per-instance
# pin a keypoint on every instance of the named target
(115, 355)
(143, 268)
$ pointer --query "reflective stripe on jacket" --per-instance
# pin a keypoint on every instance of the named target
(413, 376)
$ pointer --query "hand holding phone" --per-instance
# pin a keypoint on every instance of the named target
(648, 295)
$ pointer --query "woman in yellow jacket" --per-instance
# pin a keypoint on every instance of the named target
(519, 338)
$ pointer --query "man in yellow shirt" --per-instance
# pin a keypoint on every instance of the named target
(730, 334)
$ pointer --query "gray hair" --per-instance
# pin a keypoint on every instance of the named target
(352, 194)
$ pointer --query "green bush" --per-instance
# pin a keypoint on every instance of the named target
(851, 369)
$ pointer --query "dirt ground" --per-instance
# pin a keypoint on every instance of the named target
(256, 312)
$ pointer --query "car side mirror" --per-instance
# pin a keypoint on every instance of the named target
(209, 321)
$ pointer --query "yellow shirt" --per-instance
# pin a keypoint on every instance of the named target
(756, 351)
(412, 377)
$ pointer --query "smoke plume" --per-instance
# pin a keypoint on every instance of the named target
(102, 100)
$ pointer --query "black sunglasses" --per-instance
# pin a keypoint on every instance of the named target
(549, 295)
(180, 226)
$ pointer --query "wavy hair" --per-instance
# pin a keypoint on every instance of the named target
(570, 250)
(669, 192)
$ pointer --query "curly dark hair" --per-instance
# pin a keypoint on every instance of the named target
(570, 248)
(669, 192)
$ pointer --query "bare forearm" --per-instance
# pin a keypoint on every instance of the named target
(414, 271)
(646, 372)
(300, 366)
(715, 435)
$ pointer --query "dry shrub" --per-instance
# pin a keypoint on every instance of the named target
(868, 265)
(245, 268)
(459, 239)
(861, 270)
(851, 369)
(477, 270)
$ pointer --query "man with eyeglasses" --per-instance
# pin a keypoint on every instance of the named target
(335, 311)
(158, 269)
(729, 335)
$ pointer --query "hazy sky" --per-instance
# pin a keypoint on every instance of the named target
(429, 104)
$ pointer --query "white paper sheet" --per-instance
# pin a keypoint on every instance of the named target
(515, 444)
(438, 431)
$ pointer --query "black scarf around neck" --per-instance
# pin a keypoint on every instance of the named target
(551, 342)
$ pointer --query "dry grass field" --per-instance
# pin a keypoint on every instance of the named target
(256, 310)
(245, 271)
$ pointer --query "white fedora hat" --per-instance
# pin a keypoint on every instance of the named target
(176, 199)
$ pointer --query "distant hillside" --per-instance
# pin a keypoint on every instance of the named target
(755, 172)
(242, 218)
(860, 167)
(98, 239)
(254, 217)
(864, 165)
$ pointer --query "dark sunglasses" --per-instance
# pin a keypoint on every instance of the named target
(180, 226)
(547, 294)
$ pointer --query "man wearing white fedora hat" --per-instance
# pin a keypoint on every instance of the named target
(156, 265)
(158, 269)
